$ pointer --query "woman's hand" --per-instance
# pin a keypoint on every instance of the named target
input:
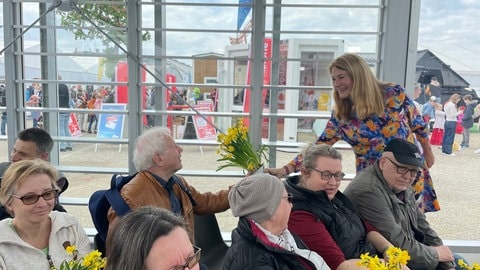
(278, 172)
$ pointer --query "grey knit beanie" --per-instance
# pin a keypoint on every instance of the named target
(256, 197)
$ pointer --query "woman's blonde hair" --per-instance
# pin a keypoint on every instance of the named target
(367, 97)
(455, 97)
(19, 171)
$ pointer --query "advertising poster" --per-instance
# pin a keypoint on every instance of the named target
(204, 130)
(111, 125)
(73, 126)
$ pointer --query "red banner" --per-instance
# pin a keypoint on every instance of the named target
(170, 78)
(73, 126)
(267, 66)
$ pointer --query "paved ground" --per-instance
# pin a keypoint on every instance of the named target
(456, 179)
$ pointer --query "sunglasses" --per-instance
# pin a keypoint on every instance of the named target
(191, 261)
(30, 199)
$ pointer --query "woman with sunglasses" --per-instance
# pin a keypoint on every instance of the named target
(151, 238)
(261, 239)
(36, 236)
(323, 217)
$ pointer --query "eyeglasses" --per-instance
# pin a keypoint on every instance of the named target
(403, 170)
(191, 261)
(30, 199)
(289, 198)
(328, 175)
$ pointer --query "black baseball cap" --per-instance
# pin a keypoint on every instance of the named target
(405, 152)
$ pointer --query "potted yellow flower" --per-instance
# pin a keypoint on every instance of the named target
(91, 261)
(396, 258)
(236, 149)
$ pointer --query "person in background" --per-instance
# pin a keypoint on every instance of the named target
(196, 95)
(451, 114)
(428, 111)
(4, 123)
(467, 120)
(81, 104)
(434, 89)
(369, 113)
(35, 115)
(32, 143)
(262, 239)
(36, 236)
(95, 103)
(64, 117)
(151, 238)
(157, 158)
(3, 103)
(416, 94)
(383, 196)
(323, 217)
(458, 126)
(438, 125)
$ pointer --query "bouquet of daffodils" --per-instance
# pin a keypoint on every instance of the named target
(396, 258)
(91, 261)
(463, 265)
(237, 150)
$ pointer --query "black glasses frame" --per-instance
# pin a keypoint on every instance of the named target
(30, 199)
(403, 170)
(191, 261)
(289, 198)
(326, 176)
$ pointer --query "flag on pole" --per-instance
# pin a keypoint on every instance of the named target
(243, 12)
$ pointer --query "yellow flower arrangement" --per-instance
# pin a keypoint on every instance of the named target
(237, 150)
(91, 261)
(396, 258)
(463, 265)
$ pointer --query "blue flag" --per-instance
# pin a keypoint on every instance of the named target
(243, 12)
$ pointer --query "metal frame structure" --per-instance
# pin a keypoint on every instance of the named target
(395, 36)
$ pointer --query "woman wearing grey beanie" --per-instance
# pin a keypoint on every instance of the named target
(262, 240)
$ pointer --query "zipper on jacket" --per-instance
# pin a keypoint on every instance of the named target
(50, 262)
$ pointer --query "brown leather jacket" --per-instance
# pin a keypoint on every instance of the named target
(145, 190)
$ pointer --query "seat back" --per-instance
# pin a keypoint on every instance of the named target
(209, 239)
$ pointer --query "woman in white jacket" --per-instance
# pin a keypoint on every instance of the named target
(37, 236)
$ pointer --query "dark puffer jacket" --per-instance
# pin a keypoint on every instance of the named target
(249, 251)
(339, 216)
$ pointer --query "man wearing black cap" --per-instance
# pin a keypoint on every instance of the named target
(383, 196)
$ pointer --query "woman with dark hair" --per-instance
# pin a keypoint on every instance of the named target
(151, 238)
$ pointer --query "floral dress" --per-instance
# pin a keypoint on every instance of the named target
(368, 137)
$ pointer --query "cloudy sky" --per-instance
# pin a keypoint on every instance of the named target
(449, 28)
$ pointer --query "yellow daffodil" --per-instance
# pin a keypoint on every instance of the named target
(463, 265)
(396, 259)
(237, 151)
(91, 261)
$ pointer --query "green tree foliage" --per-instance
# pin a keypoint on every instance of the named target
(111, 18)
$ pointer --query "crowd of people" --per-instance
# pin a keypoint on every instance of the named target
(304, 222)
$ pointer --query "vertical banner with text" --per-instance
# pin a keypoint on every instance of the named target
(267, 66)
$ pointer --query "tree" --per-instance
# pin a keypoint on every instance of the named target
(111, 18)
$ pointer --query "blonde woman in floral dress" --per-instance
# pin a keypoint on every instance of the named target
(368, 114)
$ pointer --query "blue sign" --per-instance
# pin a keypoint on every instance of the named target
(111, 125)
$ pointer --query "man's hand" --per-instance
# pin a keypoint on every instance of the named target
(444, 254)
